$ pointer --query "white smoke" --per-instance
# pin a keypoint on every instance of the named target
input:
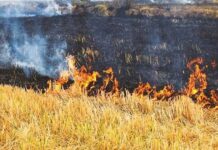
(34, 52)
(30, 51)
(26, 8)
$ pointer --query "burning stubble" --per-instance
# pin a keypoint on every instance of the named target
(35, 52)
(95, 111)
(94, 83)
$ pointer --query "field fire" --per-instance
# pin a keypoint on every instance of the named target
(117, 74)
(94, 83)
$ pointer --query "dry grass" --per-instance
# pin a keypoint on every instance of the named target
(30, 120)
(105, 9)
(175, 10)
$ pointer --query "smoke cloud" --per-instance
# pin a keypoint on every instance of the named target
(35, 52)
(26, 8)
(31, 51)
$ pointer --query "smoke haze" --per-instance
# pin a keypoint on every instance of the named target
(31, 51)
(26, 8)
(35, 52)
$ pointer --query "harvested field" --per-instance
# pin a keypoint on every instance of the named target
(32, 120)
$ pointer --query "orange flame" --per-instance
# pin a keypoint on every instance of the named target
(84, 79)
(214, 97)
(197, 82)
(143, 89)
(147, 89)
(64, 77)
(165, 93)
(56, 86)
(94, 82)
(110, 79)
(198, 61)
(116, 89)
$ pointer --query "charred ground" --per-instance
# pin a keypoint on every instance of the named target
(152, 45)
